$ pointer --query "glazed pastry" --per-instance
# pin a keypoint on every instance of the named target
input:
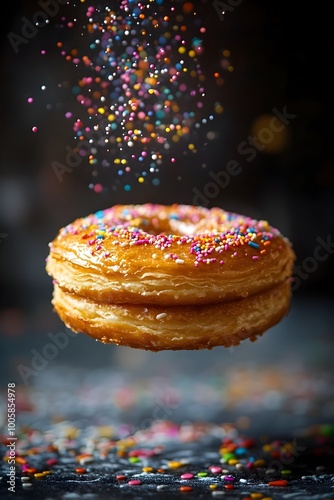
(173, 277)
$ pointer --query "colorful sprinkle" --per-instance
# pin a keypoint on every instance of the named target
(142, 93)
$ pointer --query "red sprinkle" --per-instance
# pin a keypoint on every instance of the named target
(279, 482)
(121, 477)
(80, 470)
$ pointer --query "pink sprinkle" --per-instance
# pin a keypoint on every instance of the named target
(134, 482)
(215, 469)
(187, 475)
(34, 129)
(255, 257)
(52, 461)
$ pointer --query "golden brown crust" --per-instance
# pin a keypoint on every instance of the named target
(158, 328)
(186, 260)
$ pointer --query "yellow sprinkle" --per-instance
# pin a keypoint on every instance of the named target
(267, 447)
(213, 486)
(111, 118)
(192, 53)
(219, 108)
(141, 179)
(256, 496)
(174, 464)
(38, 475)
(46, 472)
(232, 461)
(182, 50)
(101, 111)
(147, 469)
(259, 463)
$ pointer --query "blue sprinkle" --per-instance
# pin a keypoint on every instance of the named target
(99, 214)
(252, 244)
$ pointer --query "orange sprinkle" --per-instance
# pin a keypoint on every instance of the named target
(31, 470)
(279, 482)
(186, 488)
(80, 470)
(229, 486)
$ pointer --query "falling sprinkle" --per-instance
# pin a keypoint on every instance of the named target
(141, 94)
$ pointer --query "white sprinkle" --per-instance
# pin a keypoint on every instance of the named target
(26, 485)
(161, 486)
(161, 315)
(179, 261)
(243, 480)
(24, 479)
(86, 460)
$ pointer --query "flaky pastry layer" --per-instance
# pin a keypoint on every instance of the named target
(158, 328)
(168, 256)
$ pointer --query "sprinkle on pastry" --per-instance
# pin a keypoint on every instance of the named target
(119, 271)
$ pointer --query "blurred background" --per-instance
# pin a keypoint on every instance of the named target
(279, 58)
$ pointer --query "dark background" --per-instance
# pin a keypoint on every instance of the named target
(282, 54)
